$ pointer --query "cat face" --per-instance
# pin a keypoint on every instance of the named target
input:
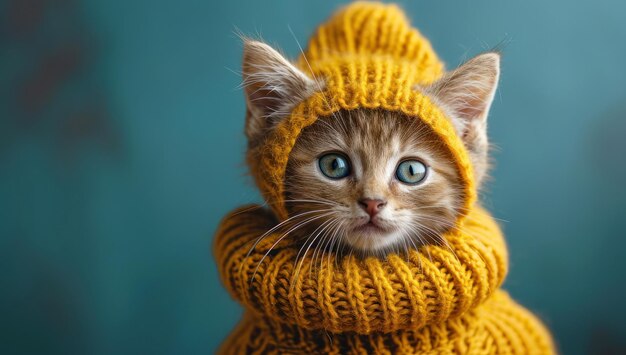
(372, 180)
(379, 180)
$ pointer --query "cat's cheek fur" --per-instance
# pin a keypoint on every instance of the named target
(375, 141)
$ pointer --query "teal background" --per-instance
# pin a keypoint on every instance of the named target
(121, 147)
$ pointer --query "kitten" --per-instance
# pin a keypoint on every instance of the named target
(371, 180)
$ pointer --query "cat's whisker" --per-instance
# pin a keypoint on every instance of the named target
(418, 230)
(310, 196)
(307, 248)
(419, 259)
(439, 238)
(312, 238)
(356, 241)
(403, 238)
(343, 246)
(338, 243)
(260, 238)
(308, 238)
(311, 202)
(453, 226)
(321, 245)
(316, 249)
(308, 220)
(325, 249)
(319, 200)
(336, 235)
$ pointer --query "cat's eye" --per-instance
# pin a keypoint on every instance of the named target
(334, 166)
(411, 172)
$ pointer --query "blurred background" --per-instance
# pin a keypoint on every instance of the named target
(121, 147)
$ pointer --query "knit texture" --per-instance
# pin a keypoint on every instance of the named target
(366, 56)
(500, 326)
(438, 299)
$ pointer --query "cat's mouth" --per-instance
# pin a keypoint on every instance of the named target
(372, 235)
(371, 227)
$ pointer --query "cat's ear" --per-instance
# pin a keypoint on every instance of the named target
(273, 86)
(466, 94)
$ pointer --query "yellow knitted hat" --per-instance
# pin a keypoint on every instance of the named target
(368, 56)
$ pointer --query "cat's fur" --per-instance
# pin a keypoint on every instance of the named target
(375, 142)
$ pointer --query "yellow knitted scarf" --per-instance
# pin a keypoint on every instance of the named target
(438, 299)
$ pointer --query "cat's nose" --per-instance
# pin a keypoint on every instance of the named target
(372, 206)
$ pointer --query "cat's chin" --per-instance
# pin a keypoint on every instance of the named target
(370, 228)
(371, 238)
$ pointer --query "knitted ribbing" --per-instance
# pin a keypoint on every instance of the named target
(441, 299)
(363, 296)
(499, 326)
